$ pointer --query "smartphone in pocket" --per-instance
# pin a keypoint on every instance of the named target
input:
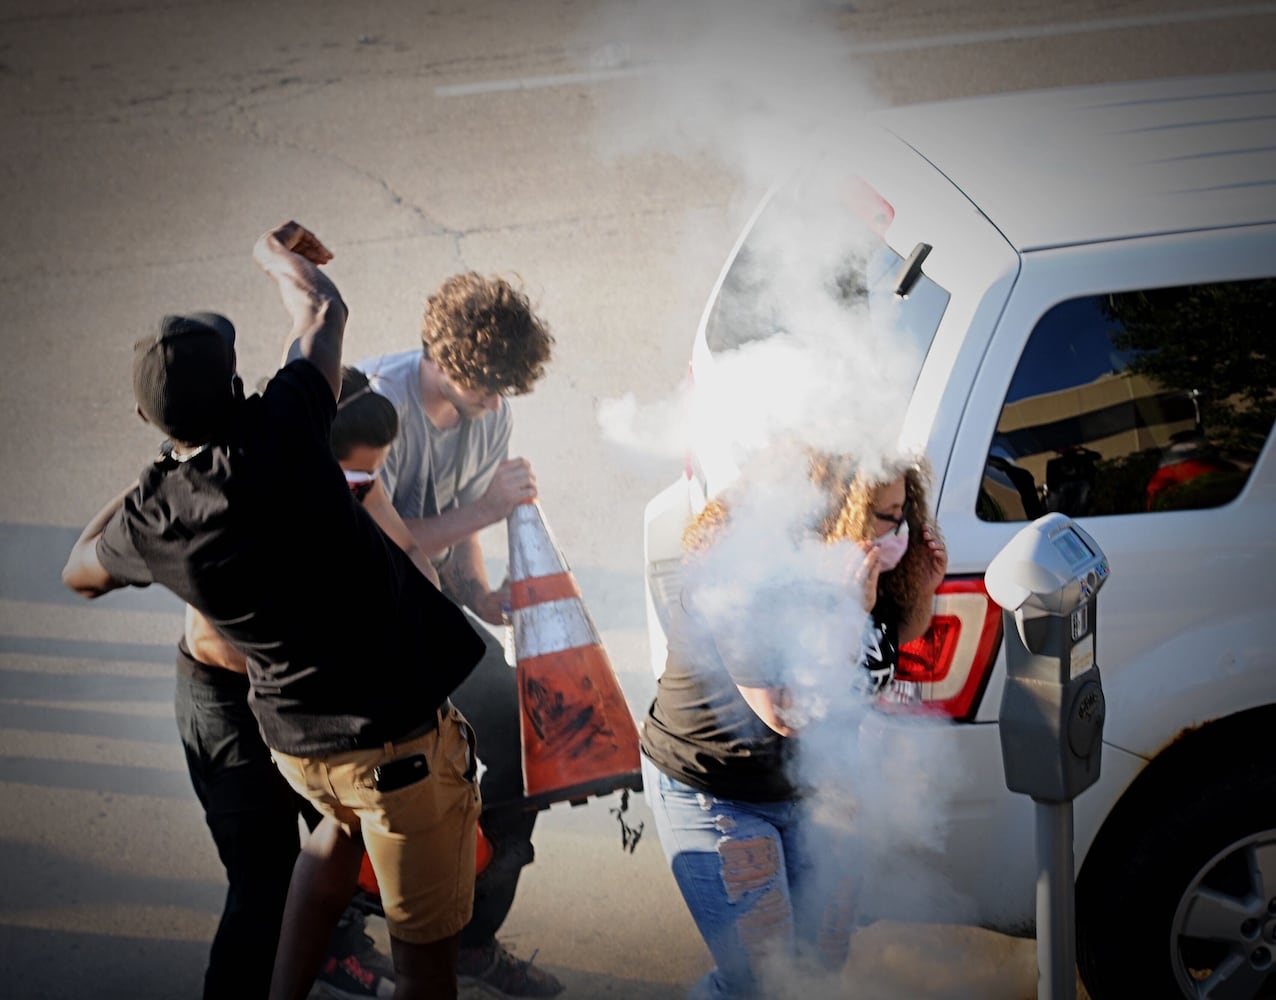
(400, 773)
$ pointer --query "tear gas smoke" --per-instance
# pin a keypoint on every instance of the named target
(804, 352)
(760, 86)
(656, 431)
(771, 591)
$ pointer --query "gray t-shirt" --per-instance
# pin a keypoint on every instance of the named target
(429, 470)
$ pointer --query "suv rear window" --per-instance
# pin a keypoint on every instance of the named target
(824, 230)
(1136, 401)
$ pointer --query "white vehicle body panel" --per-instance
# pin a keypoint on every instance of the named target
(1147, 186)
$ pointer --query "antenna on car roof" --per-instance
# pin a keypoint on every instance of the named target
(912, 270)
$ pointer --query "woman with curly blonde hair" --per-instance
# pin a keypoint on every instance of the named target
(722, 738)
(905, 561)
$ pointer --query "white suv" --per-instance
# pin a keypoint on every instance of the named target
(1085, 283)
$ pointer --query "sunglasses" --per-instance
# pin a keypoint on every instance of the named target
(897, 521)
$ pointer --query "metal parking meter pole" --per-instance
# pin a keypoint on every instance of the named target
(1051, 722)
(1056, 913)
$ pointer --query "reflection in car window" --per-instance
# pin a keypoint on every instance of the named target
(1135, 402)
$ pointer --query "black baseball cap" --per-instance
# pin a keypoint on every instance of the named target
(183, 376)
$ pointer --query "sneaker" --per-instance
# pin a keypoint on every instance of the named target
(352, 938)
(347, 979)
(494, 969)
(366, 903)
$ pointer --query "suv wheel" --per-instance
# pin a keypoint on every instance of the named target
(1181, 897)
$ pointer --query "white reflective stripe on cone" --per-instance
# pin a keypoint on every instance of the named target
(533, 553)
(552, 627)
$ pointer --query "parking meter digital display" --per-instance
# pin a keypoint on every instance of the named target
(1074, 550)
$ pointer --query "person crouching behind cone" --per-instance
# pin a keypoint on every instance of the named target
(352, 652)
(722, 742)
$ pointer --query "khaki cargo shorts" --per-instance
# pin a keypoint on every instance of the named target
(420, 837)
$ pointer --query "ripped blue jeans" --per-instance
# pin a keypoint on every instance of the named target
(750, 875)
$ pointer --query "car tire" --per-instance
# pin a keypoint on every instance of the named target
(1178, 896)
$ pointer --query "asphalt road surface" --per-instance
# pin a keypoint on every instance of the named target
(146, 145)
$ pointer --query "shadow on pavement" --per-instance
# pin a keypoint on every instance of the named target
(81, 722)
(108, 779)
(38, 878)
(37, 964)
(31, 561)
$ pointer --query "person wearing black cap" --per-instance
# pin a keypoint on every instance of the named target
(351, 651)
(249, 808)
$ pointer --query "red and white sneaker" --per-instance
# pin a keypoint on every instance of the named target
(347, 979)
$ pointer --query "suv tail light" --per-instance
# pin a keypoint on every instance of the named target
(951, 663)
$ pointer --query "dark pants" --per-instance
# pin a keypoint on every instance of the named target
(252, 815)
(489, 701)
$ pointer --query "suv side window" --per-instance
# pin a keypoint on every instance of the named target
(1136, 401)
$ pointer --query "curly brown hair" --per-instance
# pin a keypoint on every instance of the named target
(853, 518)
(851, 492)
(483, 334)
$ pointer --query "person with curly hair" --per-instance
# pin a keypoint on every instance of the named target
(449, 475)
(764, 607)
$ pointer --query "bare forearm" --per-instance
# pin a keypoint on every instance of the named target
(291, 255)
(377, 503)
(446, 530)
(422, 562)
(770, 704)
(308, 295)
(512, 483)
(97, 525)
(83, 573)
(319, 337)
(465, 580)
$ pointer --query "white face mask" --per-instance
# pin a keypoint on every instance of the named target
(360, 483)
(891, 548)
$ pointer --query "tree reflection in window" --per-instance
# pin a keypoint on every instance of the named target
(1137, 401)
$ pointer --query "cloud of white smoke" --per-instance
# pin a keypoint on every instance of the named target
(802, 356)
(760, 86)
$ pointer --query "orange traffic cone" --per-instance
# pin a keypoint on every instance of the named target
(579, 737)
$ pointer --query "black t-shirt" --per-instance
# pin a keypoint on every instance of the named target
(881, 644)
(348, 645)
(700, 730)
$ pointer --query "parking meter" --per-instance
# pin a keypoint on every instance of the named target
(1047, 580)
